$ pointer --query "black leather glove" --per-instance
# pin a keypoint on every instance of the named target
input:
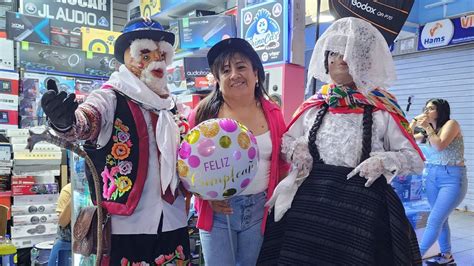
(59, 107)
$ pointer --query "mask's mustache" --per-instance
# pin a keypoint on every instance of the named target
(156, 69)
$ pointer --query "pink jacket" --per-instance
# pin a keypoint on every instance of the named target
(277, 127)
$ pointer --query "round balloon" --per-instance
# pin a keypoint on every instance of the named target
(218, 159)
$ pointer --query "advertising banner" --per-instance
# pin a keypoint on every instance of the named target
(198, 75)
(48, 58)
(98, 41)
(27, 28)
(201, 32)
(388, 16)
(32, 89)
(97, 64)
(72, 14)
(61, 36)
(149, 8)
(265, 27)
(446, 32)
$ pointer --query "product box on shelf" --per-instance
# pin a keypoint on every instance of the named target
(31, 158)
(21, 27)
(175, 77)
(30, 180)
(31, 241)
(36, 199)
(35, 208)
(198, 75)
(5, 151)
(85, 86)
(9, 83)
(34, 189)
(39, 147)
(35, 219)
(33, 87)
(98, 41)
(34, 56)
(201, 32)
(7, 56)
(8, 119)
(61, 36)
(33, 230)
(8, 102)
(99, 64)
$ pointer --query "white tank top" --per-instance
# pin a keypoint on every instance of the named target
(260, 181)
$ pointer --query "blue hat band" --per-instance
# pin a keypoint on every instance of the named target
(143, 26)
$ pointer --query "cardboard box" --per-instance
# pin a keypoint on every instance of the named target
(8, 119)
(33, 230)
(36, 199)
(34, 189)
(34, 219)
(33, 209)
(7, 56)
(201, 32)
(8, 102)
(31, 241)
(27, 28)
(5, 151)
(198, 75)
(9, 83)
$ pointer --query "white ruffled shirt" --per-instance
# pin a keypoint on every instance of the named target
(339, 140)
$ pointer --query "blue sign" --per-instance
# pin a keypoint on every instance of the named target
(446, 32)
(265, 27)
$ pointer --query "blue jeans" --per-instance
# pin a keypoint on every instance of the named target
(247, 237)
(446, 187)
(60, 253)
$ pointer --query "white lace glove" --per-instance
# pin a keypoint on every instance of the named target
(297, 152)
(373, 168)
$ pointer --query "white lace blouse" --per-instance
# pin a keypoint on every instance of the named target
(339, 141)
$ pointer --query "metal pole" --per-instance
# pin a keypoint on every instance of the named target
(318, 13)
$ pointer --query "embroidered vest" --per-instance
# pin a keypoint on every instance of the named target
(122, 164)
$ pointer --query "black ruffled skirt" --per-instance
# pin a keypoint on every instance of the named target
(335, 221)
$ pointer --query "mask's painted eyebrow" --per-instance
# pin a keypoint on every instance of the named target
(145, 51)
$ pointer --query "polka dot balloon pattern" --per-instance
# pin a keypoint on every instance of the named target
(218, 159)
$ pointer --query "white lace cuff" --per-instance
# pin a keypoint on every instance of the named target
(397, 163)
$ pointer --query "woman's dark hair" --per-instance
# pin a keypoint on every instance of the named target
(443, 109)
(209, 107)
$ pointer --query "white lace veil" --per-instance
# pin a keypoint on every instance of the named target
(364, 49)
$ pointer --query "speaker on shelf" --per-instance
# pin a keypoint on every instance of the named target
(284, 83)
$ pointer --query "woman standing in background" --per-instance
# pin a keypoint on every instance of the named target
(445, 173)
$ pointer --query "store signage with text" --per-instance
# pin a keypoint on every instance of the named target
(265, 27)
(446, 32)
(72, 13)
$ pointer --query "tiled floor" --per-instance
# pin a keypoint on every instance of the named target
(462, 237)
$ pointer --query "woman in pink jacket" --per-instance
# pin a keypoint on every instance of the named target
(239, 95)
